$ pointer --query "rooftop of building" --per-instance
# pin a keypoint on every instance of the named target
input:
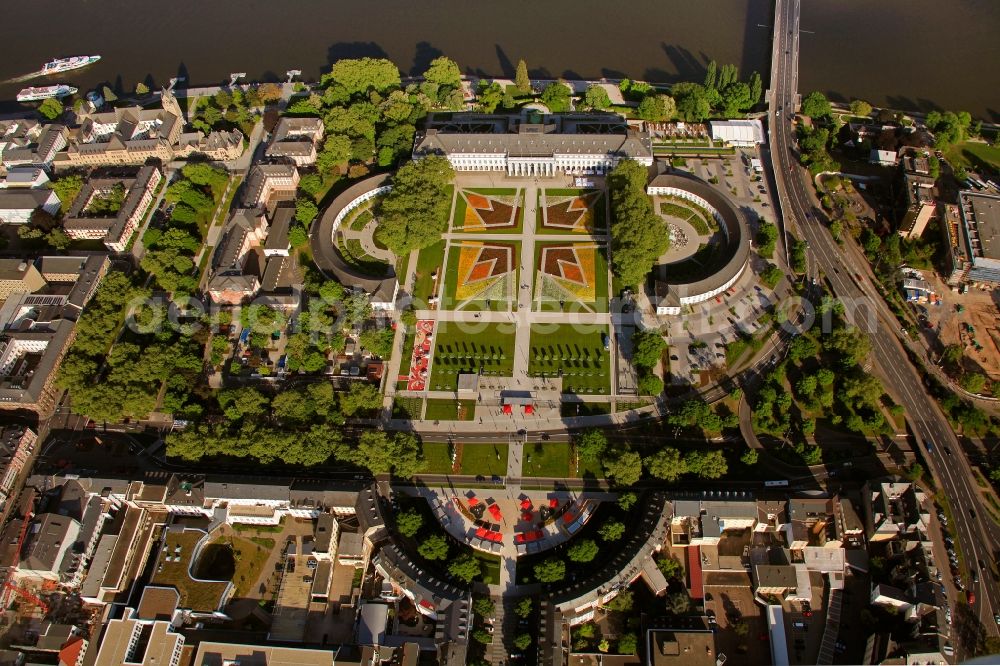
(981, 220)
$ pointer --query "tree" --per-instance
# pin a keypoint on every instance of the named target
(378, 342)
(611, 531)
(974, 382)
(582, 551)
(626, 501)
(383, 454)
(550, 570)
(524, 607)
(860, 107)
(756, 89)
(109, 95)
(596, 97)
(627, 643)
(483, 607)
(66, 188)
(647, 348)
(625, 467)
(415, 213)
(693, 104)
(141, 88)
(767, 237)
(816, 106)
(649, 383)
(670, 568)
(480, 635)
(362, 75)
(522, 641)
(465, 567)
(336, 150)
(521, 80)
(306, 210)
(444, 72)
(51, 108)
(623, 602)
(409, 522)
(666, 464)
(434, 547)
(678, 603)
(361, 397)
(749, 457)
(657, 108)
(489, 96)
(710, 465)
(711, 74)
(591, 444)
(244, 403)
(638, 235)
(556, 97)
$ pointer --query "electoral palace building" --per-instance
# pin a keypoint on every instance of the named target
(532, 144)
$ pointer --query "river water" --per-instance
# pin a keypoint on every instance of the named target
(909, 53)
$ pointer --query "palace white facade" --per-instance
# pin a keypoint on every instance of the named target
(573, 144)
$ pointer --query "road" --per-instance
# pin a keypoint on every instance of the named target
(847, 276)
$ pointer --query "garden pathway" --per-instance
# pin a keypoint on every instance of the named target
(367, 238)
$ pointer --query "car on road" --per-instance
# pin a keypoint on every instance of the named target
(972, 513)
(996, 618)
(970, 596)
(974, 576)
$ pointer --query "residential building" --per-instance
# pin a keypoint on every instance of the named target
(21, 177)
(216, 654)
(270, 183)
(534, 145)
(19, 277)
(50, 537)
(684, 641)
(17, 205)
(887, 158)
(27, 143)
(36, 331)
(742, 133)
(980, 233)
(220, 146)
(894, 509)
(130, 640)
(296, 139)
(16, 446)
(115, 230)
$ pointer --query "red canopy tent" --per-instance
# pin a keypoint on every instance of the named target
(495, 511)
(507, 409)
(553, 503)
(528, 409)
(473, 501)
(526, 504)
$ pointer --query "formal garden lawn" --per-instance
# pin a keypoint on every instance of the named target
(484, 459)
(450, 410)
(577, 350)
(572, 211)
(547, 459)
(481, 275)
(407, 408)
(488, 211)
(468, 347)
(436, 458)
(571, 277)
(429, 262)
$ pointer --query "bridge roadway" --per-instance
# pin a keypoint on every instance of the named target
(945, 457)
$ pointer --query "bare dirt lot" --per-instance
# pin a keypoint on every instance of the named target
(948, 326)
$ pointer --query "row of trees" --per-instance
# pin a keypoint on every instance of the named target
(233, 108)
(638, 235)
(625, 466)
(647, 350)
(170, 250)
(299, 426)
